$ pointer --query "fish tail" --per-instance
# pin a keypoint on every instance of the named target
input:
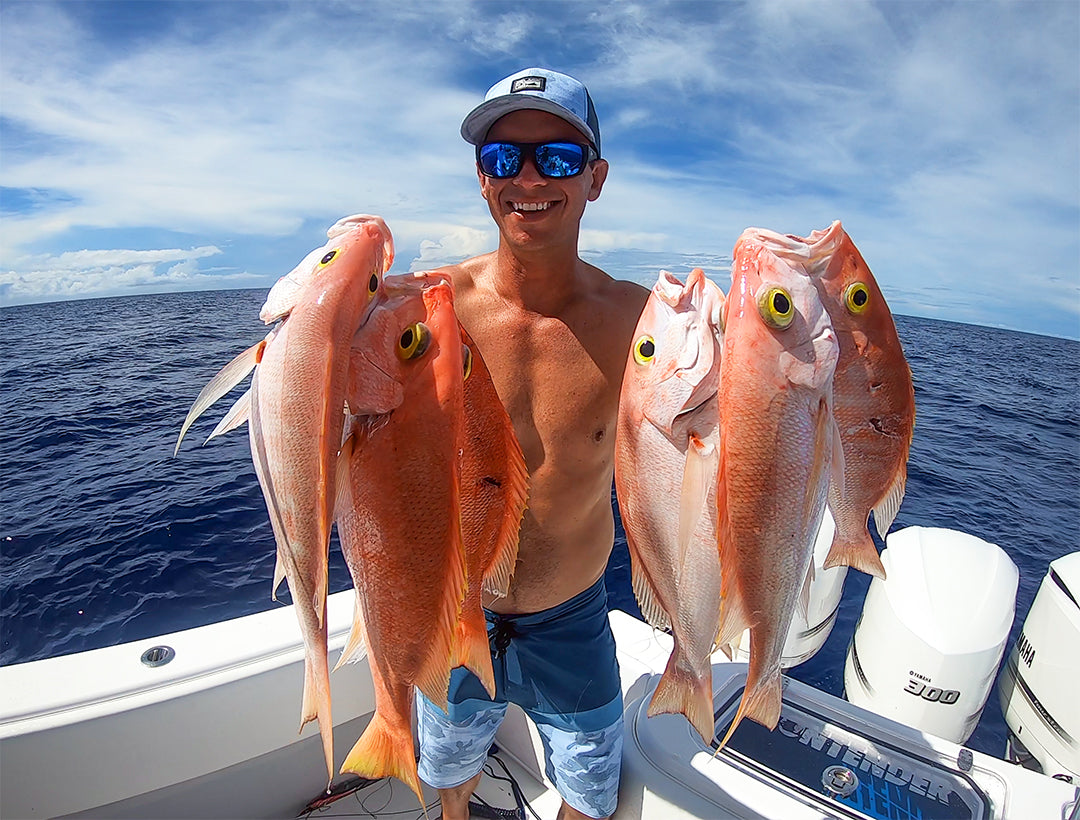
(856, 551)
(316, 706)
(680, 691)
(471, 647)
(761, 704)
(385, 749)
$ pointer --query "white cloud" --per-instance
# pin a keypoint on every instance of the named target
(945, 136)
(75, 274)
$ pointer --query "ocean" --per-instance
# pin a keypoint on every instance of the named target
(106, 537)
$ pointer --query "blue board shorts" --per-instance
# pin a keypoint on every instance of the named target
(559, 666)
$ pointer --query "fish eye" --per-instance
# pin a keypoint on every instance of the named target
(644, 350)
(326, 260)
(373, 283)
(776, 307)
(856, 297)
(466, 355)
(414, 341)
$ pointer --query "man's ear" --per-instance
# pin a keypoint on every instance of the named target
(599, 174)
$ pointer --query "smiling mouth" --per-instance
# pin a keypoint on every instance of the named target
(527, 207)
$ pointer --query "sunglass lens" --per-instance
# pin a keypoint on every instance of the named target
(560, 159)
(500, 159)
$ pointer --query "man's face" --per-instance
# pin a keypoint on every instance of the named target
(532, 210)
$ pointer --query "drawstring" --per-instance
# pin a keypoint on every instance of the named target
(501, 635)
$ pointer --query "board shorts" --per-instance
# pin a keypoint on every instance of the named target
(559, 666)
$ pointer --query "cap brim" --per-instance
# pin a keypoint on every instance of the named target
(475, 127)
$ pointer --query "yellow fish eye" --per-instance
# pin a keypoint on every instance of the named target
(373, 283)
(326, 260)
(644, 350)
(776, 307)
(856, 297)
(466, 355)
(414, 341)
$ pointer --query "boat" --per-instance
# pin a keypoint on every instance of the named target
(203, 723)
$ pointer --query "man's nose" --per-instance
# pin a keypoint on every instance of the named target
(528, 175)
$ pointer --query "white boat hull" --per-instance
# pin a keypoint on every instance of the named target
(213, 734)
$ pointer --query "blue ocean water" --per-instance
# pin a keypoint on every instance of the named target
(105, 537)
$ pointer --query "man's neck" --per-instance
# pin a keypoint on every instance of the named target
(540, 282)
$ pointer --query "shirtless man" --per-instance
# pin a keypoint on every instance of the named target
(555, 332)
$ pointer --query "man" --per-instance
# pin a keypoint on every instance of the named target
(554, 332)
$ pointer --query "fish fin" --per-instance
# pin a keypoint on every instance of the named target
(859, 553)
(356, 647)
(279, 576)
(237, 415)
(734, 618)
(702, 458)
(471, 647)
(762, 705)
(226, 379)
(887, 508)
(514, 498)
(382, 751)
(342, 482)
(262, 473)
(508, 490)
(804, 593)
(316, 705)
(433, 678)
(679, 691)
(644, 591)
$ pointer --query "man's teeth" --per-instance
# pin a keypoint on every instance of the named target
(530, 206)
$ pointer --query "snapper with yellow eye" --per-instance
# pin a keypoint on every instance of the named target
(295, 412)
(873, 401)
(666, 458)
(400, 517)
(778, 449)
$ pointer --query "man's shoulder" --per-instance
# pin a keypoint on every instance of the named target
(619, 291)
(464, 274)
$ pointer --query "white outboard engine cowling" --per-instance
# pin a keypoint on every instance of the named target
(1040, 684)
(930, 638)
(807, 634)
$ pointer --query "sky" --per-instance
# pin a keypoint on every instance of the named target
(155, 146)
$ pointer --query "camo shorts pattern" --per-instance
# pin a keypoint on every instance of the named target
(559, 666)
(583, 766)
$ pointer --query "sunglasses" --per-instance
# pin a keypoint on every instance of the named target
(555, 160)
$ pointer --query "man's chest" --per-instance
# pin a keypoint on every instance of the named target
(558, 382)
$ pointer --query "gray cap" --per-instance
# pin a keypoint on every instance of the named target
(540, 89)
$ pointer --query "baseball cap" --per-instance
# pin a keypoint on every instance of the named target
(540, 89)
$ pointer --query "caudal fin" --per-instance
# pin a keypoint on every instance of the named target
(680, 691)
(316, 706)
(761, 704)
(385, 750)
(856, 551)
(471, 647)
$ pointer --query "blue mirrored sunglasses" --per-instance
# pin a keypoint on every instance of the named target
(556, 160)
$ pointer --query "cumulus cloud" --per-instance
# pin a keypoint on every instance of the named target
(76, 274)
(250, 127)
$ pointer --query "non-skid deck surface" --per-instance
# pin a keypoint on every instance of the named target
(390, 799)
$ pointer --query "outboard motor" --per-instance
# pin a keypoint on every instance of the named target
(930, 638)
(808, 634)
(1040, 684)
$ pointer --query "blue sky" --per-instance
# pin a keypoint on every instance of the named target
(155, 146)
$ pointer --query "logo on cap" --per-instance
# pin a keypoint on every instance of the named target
(528, 84)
